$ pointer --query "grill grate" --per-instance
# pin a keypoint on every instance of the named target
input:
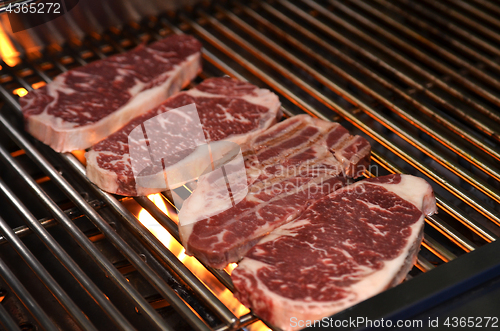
(427, 98)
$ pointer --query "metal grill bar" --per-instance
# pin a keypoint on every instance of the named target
(428, 60)
(438, 50)
(438, 249)
(23, 230)
(396, 56)
(25, 297)
(6, 321)
(63, 256)
(45, 276)
(453, 41)
(423, 12)
(447, 11)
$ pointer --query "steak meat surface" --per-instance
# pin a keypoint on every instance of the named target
(343, 249)
(227, 111)
(288, 167)
(87, 104)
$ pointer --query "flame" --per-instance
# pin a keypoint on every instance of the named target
(21, 92)
(159, 202)
(224, 295)
(38, 85)
(7, 51)
(80, 155)
(231, 267)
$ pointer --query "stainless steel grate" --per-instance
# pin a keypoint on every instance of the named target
(423, 85)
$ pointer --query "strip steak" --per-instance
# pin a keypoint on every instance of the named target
(288, 167)
(345, 248)
(87, 104)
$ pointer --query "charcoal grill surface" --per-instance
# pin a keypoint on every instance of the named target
(420, 80)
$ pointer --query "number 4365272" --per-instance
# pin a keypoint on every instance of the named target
(471, 322)
(34, 8)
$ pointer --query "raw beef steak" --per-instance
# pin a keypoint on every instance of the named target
(227, 113)
(87, 104)
(287, 167)
(345, 248)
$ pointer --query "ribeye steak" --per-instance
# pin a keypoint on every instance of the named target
(287, 167)
(184, 137)
(344, 248)
(85, 105)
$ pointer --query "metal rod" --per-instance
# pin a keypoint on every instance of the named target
(423, 264)
(447, 10)
(460, 131)
(430, 61)
(414, 67)
(6, 321)
(465, 196)
(44, 276)
(25, 297)
(438, 249)
(485, 17)
(23, 230)
(65, 259)
(421, 11)
(488, 5)
(435, 48)
(245, 320)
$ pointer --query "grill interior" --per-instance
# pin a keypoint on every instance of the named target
(419, 80)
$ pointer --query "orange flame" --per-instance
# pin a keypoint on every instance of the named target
(80, 155)
(38, 85)
(21, 92)
(224, 295)
(7, 51)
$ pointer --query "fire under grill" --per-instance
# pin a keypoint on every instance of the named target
(420, 80)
